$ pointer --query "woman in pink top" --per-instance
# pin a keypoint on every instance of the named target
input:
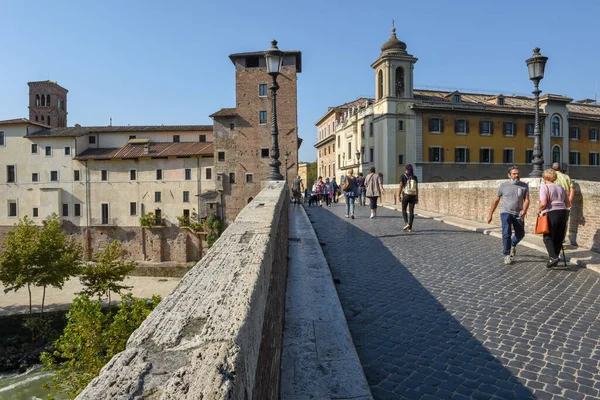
(554, 201)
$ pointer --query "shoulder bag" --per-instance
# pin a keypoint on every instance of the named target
(541, 224)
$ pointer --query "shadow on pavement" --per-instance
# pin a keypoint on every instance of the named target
(410, 346)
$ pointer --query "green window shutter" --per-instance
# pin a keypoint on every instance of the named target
(430, 154)
(441, 124)
(491, 127)
(468, 157)
(467, 125)
(441, 154)
(430, 124)
(456, 151)
(480, 155)
(491, 156)
(480, 127)
(455, 126)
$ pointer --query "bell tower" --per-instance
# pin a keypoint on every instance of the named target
(48, 103)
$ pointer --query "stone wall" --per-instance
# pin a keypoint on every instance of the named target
(218, 335)
(471, 200)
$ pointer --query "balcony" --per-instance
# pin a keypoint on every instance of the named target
(104, 222)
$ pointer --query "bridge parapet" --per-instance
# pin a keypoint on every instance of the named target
(472, 199)
(218, 335)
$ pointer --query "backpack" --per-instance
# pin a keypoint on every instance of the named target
(347, 185)
(411, 186)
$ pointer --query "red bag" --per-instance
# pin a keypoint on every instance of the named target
(541, 224)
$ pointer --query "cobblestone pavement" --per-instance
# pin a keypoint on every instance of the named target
(436, 314)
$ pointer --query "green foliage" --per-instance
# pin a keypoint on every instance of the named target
(192, 222)
(212, 226)
(90, 339)
(148, 219)
(102, 277)
(42, 327)
(311, 174)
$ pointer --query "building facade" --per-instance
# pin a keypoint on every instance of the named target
(449, 135)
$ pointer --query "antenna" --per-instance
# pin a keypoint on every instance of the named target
(110, 121)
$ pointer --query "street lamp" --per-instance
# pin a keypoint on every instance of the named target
(286, 155)
(536, 65)
(357, 156)
(274, 59)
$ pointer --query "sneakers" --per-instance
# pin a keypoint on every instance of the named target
(407, 226)
(372, 216)
(553, 262)
(508, 260)
(352, 216)
(513, 251)
(347, 216)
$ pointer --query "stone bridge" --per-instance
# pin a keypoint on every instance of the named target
(302, 303)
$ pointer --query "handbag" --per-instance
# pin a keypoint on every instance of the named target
(541, 224)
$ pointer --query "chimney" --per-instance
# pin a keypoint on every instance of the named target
(146, 149)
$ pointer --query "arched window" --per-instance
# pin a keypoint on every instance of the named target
(555, 126)
(43, 101)
(379, 84)
(37, 100)
(399, 82)
(47, 99)
(556, 153)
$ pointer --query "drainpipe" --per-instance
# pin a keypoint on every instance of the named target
(87, 212)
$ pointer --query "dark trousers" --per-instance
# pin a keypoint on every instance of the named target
(408, 202)
(510, 222)
(373, 203)
(557, 222)
(327, 199)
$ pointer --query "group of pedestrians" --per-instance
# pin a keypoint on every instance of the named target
(556, 196)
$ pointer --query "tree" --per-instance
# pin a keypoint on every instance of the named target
(102, 276)
(311, 174)
(18, 259)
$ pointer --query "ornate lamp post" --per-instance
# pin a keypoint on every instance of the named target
(536, 65)
(274, 59)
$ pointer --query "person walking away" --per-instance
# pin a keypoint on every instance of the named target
(320, 190)
(564, 180)
(297, 188)
(327, 192)
(336, 188)
(409, 193)
(554, 202)
(513, 197)
(362, 190)
(350, 189)
(374, 190)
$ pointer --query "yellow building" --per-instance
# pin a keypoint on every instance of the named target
(450, 135)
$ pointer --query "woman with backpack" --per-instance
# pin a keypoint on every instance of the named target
(374, 190)
(350, 188)
(410, 196)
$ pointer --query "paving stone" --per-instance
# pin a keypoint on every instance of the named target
(440, 301)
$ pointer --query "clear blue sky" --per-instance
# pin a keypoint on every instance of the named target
(158, 62)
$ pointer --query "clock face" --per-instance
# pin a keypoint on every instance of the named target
(401, 108)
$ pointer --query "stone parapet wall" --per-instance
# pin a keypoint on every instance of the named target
(218, 335)
(472, 199)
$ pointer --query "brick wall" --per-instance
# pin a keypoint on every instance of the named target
(471, 200)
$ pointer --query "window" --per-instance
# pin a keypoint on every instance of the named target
(252, 62)
(456, 98)
(186, 196)
(371, 133)
(11, 174)
(262, 117)
(76, 175)
(231, 126)
(338, 140)
(556, 154)
(12, 208)
(262, 89)
(186, 215)
(461, 126)
(486, 128)
(486, 156)
(529, 129)
(92, 139)
(264, 153)
(48, 151)
(555, 126)
(34, 148)
(131, 137)
(528, 156)
(379, 84)
(176, 138)
(35, 177)
(77, 210)
(188, 174)
(54, 176)
(363, 156)
(436, 125)
(362, 131)
(500, 101)
(67, 151)
(232, 177)
(371, 155)
(157, 197)
(349, 151)
(61, 104)
(509, 129)
(159, 174)
(35, 212)
(508, 156)
(461, 155)
(104, 175)
(400, 159)
(202, 138)
(574, 133)
(132, 174)
(400, 125)
(574, 157)
(132, 208)
(221, 155)
(436, 154)
(594, 160)
(65, 210)
(208, 173)
(248, 178)
(594, 134)
(2, 139)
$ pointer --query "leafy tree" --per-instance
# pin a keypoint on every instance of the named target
(103, 276)
(212, 226)
(311, 174)
(18, 259)
(90, 339)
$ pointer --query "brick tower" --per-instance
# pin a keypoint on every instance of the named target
(48, 103)
(243, 134)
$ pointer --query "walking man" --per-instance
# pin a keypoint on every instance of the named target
(362, 190)
(297, 187)
(513, 197)
(336, 189)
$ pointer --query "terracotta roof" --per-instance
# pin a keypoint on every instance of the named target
(360, 102)
(225, 112)
(20, 121)
(85, 130)
(155, 150)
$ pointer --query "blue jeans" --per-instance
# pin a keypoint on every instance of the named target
(510, 222)
(349, 205)
(362, 196)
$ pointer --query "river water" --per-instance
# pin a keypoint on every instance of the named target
(26, 386)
